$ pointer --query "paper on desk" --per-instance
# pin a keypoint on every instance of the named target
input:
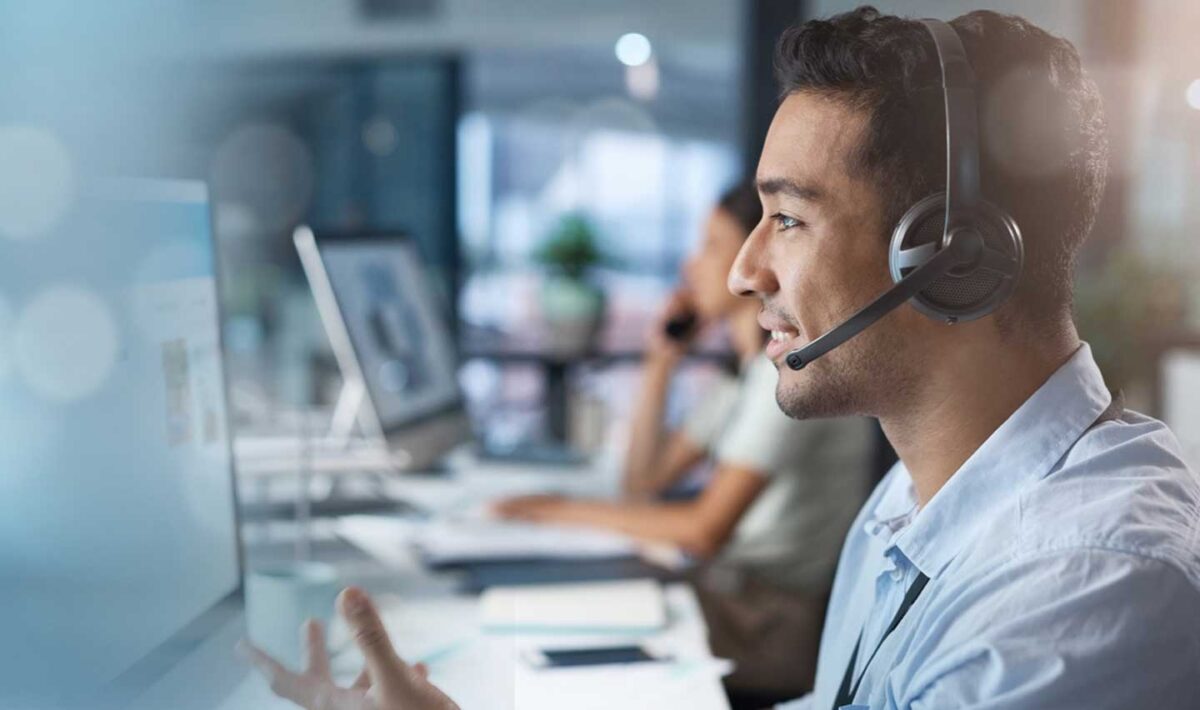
(465, 540)
(628, 606)
(389, 540)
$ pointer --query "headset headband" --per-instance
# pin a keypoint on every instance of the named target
(962, 126)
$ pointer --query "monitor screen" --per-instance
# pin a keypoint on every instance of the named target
(400, 337)
(117, 510)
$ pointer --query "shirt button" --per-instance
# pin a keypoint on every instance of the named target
(897, 574)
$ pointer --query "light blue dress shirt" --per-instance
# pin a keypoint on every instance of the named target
(1064, 566)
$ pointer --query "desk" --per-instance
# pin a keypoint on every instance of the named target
(484, 671)
(430, 620)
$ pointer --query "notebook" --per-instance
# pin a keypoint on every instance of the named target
(623, 606)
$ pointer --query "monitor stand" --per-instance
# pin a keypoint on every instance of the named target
(349, 432)
(347, 413)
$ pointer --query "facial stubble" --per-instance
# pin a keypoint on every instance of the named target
(860, 378)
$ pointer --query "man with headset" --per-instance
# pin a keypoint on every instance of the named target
(1036, 546)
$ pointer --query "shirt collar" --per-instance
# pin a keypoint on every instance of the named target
(1023, 449)
(895, 510)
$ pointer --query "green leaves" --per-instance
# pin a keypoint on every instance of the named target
(572, 247)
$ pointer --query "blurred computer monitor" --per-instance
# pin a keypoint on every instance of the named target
(392, 341)
(118, 541)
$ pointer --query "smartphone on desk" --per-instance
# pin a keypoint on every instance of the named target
(591, 656)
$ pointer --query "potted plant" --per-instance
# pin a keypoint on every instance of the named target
(572, 304)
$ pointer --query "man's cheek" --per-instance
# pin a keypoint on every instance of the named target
(810, 302)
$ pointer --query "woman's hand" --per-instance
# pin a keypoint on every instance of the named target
(660, 347)
(537, 508)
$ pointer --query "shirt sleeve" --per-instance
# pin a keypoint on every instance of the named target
(706, 421)
(1083, 628)
(759, 435)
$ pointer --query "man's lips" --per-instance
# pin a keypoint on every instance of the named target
(784, 336)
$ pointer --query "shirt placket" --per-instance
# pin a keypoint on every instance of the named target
(891, 582)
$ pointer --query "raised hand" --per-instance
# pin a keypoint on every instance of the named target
(386, 683)
(659, 346)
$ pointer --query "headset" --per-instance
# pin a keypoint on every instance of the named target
(955, 255)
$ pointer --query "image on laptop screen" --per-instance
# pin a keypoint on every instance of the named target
(401, 340)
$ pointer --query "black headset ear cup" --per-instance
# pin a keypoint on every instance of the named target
(961, 295)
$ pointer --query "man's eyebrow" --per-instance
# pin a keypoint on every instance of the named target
(772, 186)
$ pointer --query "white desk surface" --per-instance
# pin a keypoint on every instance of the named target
(485, 671)
(431, 624)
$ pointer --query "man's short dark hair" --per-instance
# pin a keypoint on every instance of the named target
(1044, 149)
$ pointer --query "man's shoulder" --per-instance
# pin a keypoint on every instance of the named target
(1081, 574)
(1123, 488)
(1052, 627)
(1110, 531)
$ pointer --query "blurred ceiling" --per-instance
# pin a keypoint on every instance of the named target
(701, 33)
(516, 52)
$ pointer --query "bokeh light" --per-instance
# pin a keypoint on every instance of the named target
(380, 136)
(36, 181)
(269, 170)
(633, 49)
(1193, 94)
(65, 343)
(235, 221)
(1025, 129)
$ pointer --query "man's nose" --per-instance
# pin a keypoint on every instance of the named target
(751, 274)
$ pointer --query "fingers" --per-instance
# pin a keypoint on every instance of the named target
(518, 507)
(505, 506)
(316, 655)
(283, 682)
(678, 302)
(362, 682)
(266, 665)
(536, 508)
(422, 670)
(384, 665)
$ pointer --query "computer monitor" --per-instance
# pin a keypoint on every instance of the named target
(118, 538)
(390, 337)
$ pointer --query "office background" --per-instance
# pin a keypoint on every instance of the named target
(554, 161)
(478, 127)
(486, 131)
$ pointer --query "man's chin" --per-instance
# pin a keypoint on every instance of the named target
(806, 394)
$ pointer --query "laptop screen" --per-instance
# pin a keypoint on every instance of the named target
(401, 340)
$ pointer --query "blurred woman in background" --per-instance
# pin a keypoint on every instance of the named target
(770, 520)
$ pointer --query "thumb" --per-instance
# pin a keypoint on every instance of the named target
(360, 614)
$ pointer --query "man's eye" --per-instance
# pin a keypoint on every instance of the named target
(786, 222)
